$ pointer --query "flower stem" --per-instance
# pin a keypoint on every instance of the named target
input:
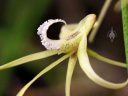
(100, 20)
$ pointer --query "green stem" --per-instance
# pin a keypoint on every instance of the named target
(99, 20)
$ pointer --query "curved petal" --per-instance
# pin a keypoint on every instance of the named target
(29, 58)
(86, 67)
(22, 91)
(104, 59)
(71, 66)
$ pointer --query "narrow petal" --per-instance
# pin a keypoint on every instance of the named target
(28, 58)
(22, 91)
(71, 66)
(86, 67)
(104, 59)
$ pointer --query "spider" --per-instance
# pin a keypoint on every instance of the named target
(73, 43)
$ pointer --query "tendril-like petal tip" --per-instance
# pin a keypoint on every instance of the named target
(22, 91)
(86, 67)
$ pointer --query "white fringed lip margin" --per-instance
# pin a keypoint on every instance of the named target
(42, 32)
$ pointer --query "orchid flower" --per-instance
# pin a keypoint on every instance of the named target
(72, 43)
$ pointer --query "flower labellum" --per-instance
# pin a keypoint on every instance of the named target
(42, 32)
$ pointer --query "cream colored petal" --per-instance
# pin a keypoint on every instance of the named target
(83, 27)
(86, 24)
(29, 58)
(71, 66)
(67, 30)
(22, 91)
(86, 67)
(72, 41)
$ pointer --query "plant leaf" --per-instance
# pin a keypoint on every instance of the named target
(124, 6)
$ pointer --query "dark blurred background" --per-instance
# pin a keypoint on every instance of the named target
(19, 20)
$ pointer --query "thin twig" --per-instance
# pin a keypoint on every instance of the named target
(99, 20)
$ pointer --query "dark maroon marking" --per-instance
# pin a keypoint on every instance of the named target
(72, 35)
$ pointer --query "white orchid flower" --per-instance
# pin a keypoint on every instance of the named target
(73, 43)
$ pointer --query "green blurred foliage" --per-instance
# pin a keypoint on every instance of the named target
(20, 18)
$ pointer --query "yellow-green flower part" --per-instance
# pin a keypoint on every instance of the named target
(73, 43)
